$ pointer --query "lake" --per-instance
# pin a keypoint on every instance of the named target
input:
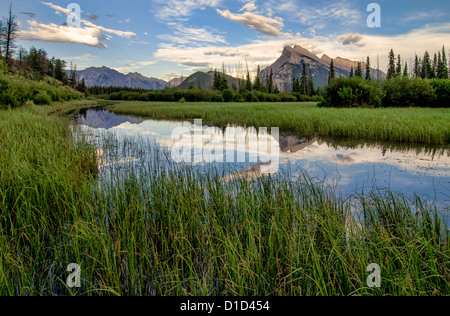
(347, 166)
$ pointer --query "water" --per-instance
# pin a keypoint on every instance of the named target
(352, 168)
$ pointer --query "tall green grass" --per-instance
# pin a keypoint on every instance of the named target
(151, 230)
(396, 125)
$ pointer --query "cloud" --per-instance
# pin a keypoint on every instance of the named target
(250, 6)
(188, 35)
(133, 66)
(62, 34)
(30, 15)
(342, 11)
(259, 23)
(352, 39)
(91, 34)
(92, 17)
(179, 10)
(422, 15)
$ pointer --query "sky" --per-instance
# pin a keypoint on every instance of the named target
(166, 39)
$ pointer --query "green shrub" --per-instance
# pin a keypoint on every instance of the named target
(219, 98)
(442, 92)
(352, 92)
(406, 92)
(42, 98)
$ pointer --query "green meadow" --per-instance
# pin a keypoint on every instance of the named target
(150, 231)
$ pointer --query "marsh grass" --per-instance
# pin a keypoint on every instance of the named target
(146, 229)
(396, 125)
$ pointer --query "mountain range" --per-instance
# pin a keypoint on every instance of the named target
(285, 68)
(106, 77)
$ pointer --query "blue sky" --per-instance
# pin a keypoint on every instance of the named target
(166, 38)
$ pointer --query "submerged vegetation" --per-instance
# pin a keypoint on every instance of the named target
(402, 125)
(149, 230)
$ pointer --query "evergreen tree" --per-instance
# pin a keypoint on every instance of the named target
(427, 67)
(332, 74)
(248, 83)
(60, 74)
(398, 70)
(442, 68)
(405, 70)
(216, 82)
(368, 76)
(352, 74)
(304, 81)
(359, 71)
(391, 66)
(417, 70)
(296, 85)
(445, 69)
(269, 82)
(434, 66)
(311, 90)
(82, 86)
(258, 86)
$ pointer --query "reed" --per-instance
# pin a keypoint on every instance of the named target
(158, 229)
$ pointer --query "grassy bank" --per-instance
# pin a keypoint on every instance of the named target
(403, 125)
(147, 231)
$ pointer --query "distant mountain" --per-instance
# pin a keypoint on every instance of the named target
(176, 82)
(105, 77)
(205, 80)
(290, 65)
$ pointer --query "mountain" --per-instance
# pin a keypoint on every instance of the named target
(290, 65)
(176, 82)
(205, 80)
(105, 77)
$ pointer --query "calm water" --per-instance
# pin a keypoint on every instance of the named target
(352, 169)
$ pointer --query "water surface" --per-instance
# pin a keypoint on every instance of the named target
(352, 168)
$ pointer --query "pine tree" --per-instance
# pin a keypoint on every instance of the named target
(405, 71)
(368, 76)
(445, 68)
(442, 68)
(332, 74)
(391, 66)
(427, 67)
(216, 83)
(398, 69)
(269, 82)
(434, 67)
(311, 90)
(304, 81)
(248, 83)
(352, 74)
(296, 85)
(359, 71)
(417, 70)
(82, 86)
(258, 86)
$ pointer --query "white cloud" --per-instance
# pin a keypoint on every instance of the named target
(170, 10)
(90, 34)
(250, 6)
(342, 11)
(63, 34)
(259, 23)
(189, 35)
